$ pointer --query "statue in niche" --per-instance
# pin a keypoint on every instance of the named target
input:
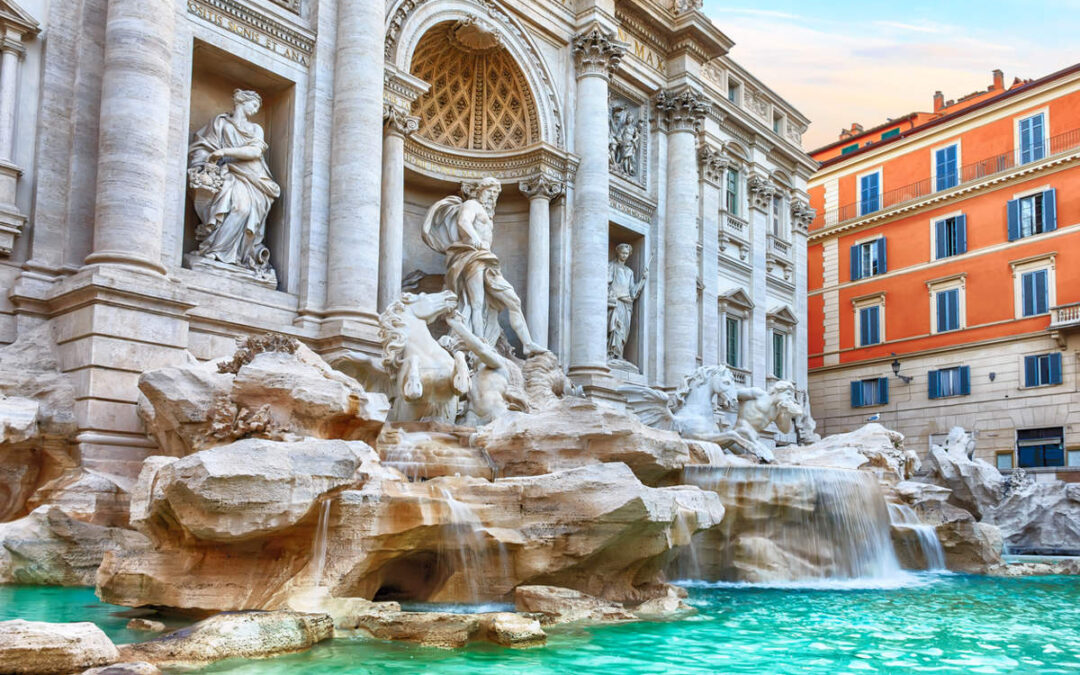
(623, 291)
(624, 139)
(462, 230)
(233, 190)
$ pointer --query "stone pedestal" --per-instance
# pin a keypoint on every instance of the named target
(214, 267)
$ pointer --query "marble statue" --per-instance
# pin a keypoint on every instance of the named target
(624, 139)
(233, 189)
(623, 290)
(690, 410)
(805, 425)
(497, 385)
(462, 230)
(757, 410)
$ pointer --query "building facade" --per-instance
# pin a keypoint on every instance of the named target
(944, 269)
(605, 122)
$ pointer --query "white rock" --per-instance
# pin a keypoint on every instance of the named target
(30, 647)
(977, 486)
(1040, 515)
(871, 446)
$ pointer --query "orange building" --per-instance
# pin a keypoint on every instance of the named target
(944, 274)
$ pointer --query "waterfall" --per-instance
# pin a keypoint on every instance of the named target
(321, 542)
(903, 517)
(792, 523)
(468, 540)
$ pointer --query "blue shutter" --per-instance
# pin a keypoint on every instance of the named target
(883, 390)
(875, 325)
(882, 266)
(1042, 298)
(940, 234)
(1031, 371)
(961, 234)
(1027, 293)
(934, 383)
(940, 167)
(1037, 149)
(942, 324)
(1049, 210)
(1055, 368)
(856, 267)
(856, 394)
(965, 380)
(1014, 220)
(864, 328)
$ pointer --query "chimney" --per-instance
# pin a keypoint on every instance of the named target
(939, 101)
(999, 80)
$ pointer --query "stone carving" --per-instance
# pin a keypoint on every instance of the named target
(597, 53)
(690, 410)
(624, 142)
(682, 110)
(802, 214)
(623, 291)
(396, 121)
(680, 7)
(232, 191)
(545, 382)
(757, 410)
(805, 424)
(463, 230)
(497, 386)
(248, 348)
(714, 164)
(761, 191)
(543, 186)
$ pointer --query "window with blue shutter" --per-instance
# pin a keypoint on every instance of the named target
(948, 310)
(1042, 370)
(870, 193)
(869, 326)
(1032, 139)
(950, 235)
(874, 391)
(1034, 293)
(868, 259)
(947, 167)
(950, 382)
(1033, 214)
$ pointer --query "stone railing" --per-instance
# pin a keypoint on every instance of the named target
(735, 226)
(1065, 315)
(779, 246)
(740, 375)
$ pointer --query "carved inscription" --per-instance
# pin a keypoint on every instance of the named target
(257, 29)
(642, 52)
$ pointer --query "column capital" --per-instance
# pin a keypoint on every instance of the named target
(597, 53)
(395, 121)
(802, 214)
(542, 187)
(683, 110)
(761, 191)
(713, 163)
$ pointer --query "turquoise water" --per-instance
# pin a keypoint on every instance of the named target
(944, 624)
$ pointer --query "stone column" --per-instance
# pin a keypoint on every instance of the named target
(713, 167)
(352, 272)
(540, 190)
(597, 55)
(760, 191)
(802, 215)
(11, 51)
(133, 144)
(397, 125)
(681, 114)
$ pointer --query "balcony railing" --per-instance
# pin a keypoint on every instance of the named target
(969, 173)
(779, 246)
(736, 226)
(1065, 316)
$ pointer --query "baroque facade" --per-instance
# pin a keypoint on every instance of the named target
(341, 123)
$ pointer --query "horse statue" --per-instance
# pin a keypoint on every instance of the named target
(757, 410)
(691, 409)
(423, 379)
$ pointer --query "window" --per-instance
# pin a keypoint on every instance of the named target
(869, 326)
(950, 236)
(868, 259)
(777, 216)
(1032, 214)
(1042, 370)
(733, 342)
(1034, 293)
(778, 124)
(950, 382)
(779, 354)
(733, 92)
(948, 309)
(869, 193)
(870, 392)
(946, 167)
(1032, 138)
(891, 133)
(849, 149)
(1040, 447)
(1004, 460)
(732, 192)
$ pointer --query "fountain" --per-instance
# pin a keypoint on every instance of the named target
(904, 520)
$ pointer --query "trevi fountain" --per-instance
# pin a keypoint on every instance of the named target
(452, 336)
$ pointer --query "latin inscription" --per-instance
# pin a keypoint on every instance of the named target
(642, 52)
(249, 33)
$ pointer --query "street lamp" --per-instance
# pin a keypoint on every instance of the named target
(896, 371)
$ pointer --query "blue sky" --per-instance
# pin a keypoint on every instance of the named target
(845, 61)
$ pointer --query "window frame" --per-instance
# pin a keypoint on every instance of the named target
(785, 338)
(877, 300)
(1045, 262)
(1018, 138)
(961, 218)
(963, 382)
(740, 324)
(880, 386)
(1035, 442)
(956, 282)
(934, 164)
(734, 86)
(731, 196)
(880, 190)
(1054, 356)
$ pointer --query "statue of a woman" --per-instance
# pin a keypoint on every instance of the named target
(622, 292)
(233, 188)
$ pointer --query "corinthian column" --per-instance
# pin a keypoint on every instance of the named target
(597, 55)
(713, 168)
(681, 114)
(134, 134)
(352, 270)
(397, 125)
(540, 191)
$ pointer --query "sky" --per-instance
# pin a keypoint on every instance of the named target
(865, 61)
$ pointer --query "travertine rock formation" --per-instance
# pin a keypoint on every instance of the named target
(1040, 516)
(563, 605)
(870, 447)
(32, 647)
(976, 485)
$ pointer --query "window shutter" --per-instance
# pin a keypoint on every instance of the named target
(939, 235)
(1055, 368)
(875, 325)
(1037, 149)
(940, 166)
(856, 394)
(883, 390)
(1049, 210)
(864, 327)
(855, 266)
(882, 267)
(965, 380)
(934, 383)
(961, 234)
(1014, 220)
(1042, 298)
(1031, 371)
(939, 298)
(1027, 284)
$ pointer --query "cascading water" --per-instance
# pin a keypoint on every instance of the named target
(903, 517)
(791, 523)
(319, 549)
(468, 541)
